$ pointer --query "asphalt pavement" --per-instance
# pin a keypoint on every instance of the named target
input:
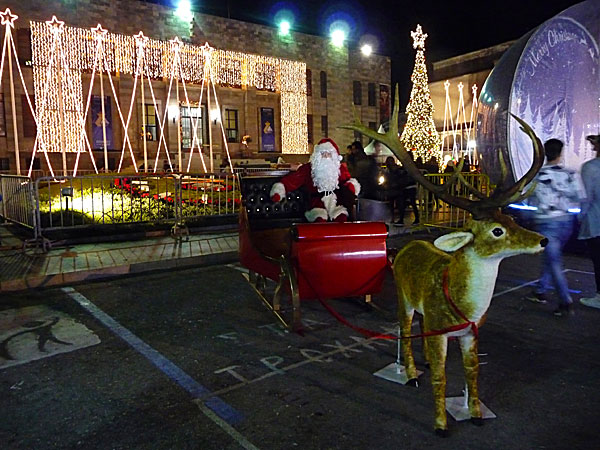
(190, 358)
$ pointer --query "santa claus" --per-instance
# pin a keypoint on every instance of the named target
(324, 178)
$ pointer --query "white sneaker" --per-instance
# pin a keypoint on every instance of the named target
(592, 302)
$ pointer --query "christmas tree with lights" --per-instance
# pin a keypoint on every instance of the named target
(420, 135)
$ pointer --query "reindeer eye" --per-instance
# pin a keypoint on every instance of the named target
(497, 232)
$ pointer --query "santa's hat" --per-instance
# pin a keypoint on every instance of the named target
(327, 145)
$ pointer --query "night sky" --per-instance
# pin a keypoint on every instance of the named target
(453, 27)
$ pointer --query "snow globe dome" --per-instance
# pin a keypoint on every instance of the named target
(551, 79)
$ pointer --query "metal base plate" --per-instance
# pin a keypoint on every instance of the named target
(458, 409)
(394, 372)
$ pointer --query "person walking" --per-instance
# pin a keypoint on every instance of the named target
(590, 216)
(556, 191)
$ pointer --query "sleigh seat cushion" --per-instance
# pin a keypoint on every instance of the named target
(262, 212)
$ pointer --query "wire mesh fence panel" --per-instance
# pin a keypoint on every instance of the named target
(16, 202)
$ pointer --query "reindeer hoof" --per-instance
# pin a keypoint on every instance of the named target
(477, 421)
(442, 433)
(413, 382)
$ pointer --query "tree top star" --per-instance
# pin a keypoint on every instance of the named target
(418, 37)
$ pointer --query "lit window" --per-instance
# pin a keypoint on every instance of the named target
(187, 114)
(150, 113)
(231, 125)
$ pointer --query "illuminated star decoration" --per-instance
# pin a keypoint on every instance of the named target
(207, 53)
(176, 44)
(99, 32)
(57, 25)
(8, 18)
(446, 85)
(460, 86)
(141, 39)
(418, 38)
(206, 48)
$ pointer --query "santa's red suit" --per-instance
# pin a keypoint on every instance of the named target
(324, 178)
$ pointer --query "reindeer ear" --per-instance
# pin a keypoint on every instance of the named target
(453, 241)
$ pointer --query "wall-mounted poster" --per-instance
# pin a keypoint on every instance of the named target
(267, 130)
(384, 103)
(97, 133)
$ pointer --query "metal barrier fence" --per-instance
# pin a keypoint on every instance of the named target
(51, 203)
(249, 170)
(16, 201)
(437, 213)
(68, 202)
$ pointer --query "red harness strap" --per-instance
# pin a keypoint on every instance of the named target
(468, 322)
(376, 335)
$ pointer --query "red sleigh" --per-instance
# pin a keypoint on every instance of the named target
(307, 261)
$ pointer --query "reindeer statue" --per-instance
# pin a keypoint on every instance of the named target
(451, 281)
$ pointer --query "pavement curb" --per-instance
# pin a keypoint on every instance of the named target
(80, 276)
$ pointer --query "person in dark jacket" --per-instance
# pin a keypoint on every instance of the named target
(402, 188)
(364, 169)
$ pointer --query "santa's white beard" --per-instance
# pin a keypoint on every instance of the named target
(325, 173)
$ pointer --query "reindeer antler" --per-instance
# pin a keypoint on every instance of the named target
(483, 206)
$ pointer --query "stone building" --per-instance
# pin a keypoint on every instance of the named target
(470, 69)
(336, 80)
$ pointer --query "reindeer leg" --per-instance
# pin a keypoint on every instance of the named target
(437, 347)
(405, 318)
(468, 348)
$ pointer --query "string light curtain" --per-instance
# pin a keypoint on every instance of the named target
(58, 89)
(75, 49)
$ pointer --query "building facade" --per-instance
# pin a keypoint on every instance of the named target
(162, 120)
(455, 115)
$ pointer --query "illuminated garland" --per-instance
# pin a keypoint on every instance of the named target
(420, 135)
(70, 51)
(451, 129)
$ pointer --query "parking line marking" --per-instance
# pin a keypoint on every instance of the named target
(235, 435)
(529, 283)
(579, 271)
(218, 406)
(515, 288)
